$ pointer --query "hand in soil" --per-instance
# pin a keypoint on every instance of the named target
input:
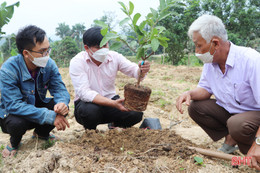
(119, 105)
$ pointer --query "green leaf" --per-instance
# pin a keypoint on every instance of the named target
(164, 16)
(147, 46)
(104, 31)
(138, 31)
(199, 160)
(6, 13)
(154, 33)
(108, 37)
(124, 9)
(160, 28)
(133, 43)
(162, 4)
(136, 17)
(149, 16)
(163, 42)
(123, 5)
(142, 25)
(155, 44)
(115, 46)
(131, 7)
(154, 12)
(122, 22)
(101, 23)
(140, 53)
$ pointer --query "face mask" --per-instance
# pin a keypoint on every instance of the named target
(206, 57)
(41, 61)
(100, 55)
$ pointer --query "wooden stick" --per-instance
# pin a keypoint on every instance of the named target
(213, 153)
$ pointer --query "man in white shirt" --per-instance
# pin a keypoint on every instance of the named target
(93, 73)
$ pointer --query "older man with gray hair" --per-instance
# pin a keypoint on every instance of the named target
(231, 74)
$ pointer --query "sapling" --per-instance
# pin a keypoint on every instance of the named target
(149, 36)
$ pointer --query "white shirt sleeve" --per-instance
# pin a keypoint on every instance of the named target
(80, 80)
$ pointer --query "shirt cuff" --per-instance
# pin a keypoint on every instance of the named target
(50, 117)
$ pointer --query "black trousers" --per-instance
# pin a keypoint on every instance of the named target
(17, 126)
(90, 115)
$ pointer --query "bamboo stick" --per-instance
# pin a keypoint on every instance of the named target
(213, 153)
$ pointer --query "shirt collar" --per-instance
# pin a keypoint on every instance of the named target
(231, 55)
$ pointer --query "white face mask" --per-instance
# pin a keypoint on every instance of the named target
(100, 55)
(206, 57)
(40, 61)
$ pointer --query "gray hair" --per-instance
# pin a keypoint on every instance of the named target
(208, 26)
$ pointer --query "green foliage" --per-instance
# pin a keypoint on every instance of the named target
(9, 46)
(63, 51)
(162, 102)
(190, 60)
(177, 27)
(199, 161)
(1, 59)
(6, 13)
(77, 31)
(241, 19)
(149, 36)
(47, 144)
(63, 30)
(1, 158)
(108, 19)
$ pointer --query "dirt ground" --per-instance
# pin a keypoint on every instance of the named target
(127, 150)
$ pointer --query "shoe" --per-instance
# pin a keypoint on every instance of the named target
(111, 125)
(12, 152)
(228, 148)
(51, 137)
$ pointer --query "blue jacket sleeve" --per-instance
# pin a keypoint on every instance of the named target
(57, 87)
(15, 104)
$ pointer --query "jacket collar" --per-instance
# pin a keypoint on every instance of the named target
(24, 70)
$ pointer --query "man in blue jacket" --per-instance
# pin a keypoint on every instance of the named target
(24, 81)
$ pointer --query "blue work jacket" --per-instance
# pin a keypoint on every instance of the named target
(18, 90)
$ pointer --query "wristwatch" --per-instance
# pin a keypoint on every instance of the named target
(257, 140)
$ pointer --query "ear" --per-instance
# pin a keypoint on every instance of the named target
(86, 47)
(216, 43)
(25, 53)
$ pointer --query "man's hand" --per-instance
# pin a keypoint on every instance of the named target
(61, 122)
(119, 105)
(185, 97)
(145, 67)
(254, 153)
(61, 108)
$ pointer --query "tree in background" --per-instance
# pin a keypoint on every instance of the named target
(241, 17)
(177, 27)
(63, 30)
(9, 47)
(6, 13)
(77, 33)
(63, 51)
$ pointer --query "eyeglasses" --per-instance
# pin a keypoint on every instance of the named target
(44, 53)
